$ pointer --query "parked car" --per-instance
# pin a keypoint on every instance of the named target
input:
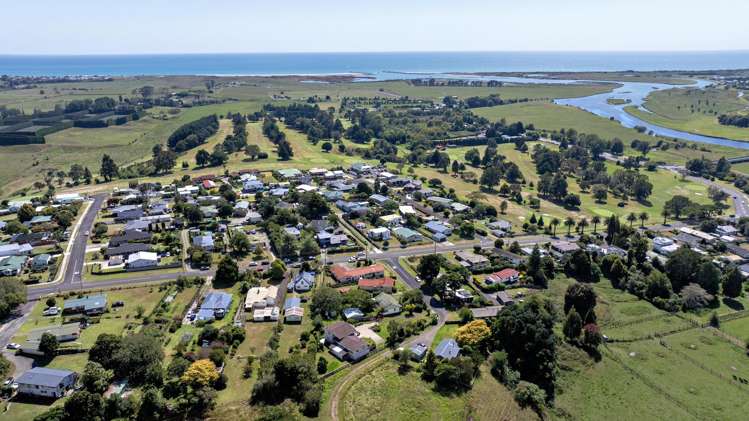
(8, 382)
(118, 304)
(52, 311)
(13, 345)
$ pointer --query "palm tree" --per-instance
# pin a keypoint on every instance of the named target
(554, 223)
(665, 213)
(643, 217)
(582, 224)
(569, 223)
(631, 218)
(596, 220)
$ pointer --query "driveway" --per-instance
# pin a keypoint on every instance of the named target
(365, 331)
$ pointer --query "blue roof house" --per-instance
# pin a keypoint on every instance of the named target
(447, 349)
(303, 281)
(215, 306)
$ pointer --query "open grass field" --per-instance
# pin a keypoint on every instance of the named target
(694, 111)
(555, 117)
(383, 394)
(738, 328)
(606, 390)
(702, 392)
(46, 97)
(665, 186)
(128, 143)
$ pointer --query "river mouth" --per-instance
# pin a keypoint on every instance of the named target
(626, 94)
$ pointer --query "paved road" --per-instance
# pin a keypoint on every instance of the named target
(76, 255)
(740, 200)
(425, 337)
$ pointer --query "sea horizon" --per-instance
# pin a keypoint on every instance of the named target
(375, 64)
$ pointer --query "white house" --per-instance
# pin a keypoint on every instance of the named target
(260, 297)
(46, 382)
(142, 259)
(379, 233)
(660, 242)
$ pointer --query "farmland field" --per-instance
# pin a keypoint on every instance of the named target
(556, 117)
(694, 111)
(383, 394)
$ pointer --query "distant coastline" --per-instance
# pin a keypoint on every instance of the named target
(375, 65)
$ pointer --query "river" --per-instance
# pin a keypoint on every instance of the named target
(632, 92)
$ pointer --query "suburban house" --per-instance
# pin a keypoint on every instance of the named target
(439, 201)
(267, 314)
(726, 230)
(215, 306)
(40, 262)
(46, 382)
(418, 351)
(664, 245)
(126, 249)
(406, 210)
(12, 265)
(344, 342)
(561, 248)
(703, 236)
(68, 198)
(130, 237)
(389, 304)
(326, 239)
(293, 310)
(302, 282)
(472, 261)
(142, 259)
(241, 209)
(345, 275)
(14, 249)
(504, 298)
(377, 285)
(447, 349)
(288, 173)
(124, 215)
(63, 333)
(458, 207)
(252, 186)
(392, 220)
(204, 242)
(379, 233)
(407, 235)
(500, 225)
(506, 276)
(89, 305)
(39, 220)
(254, 217)
(436, 227)
(260, 297)
(378, 199)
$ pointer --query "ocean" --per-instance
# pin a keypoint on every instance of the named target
(379, 65)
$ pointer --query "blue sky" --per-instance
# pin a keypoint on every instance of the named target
(199, 26)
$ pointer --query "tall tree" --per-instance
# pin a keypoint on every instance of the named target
(108, 169)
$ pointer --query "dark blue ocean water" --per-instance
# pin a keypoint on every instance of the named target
(380, 65)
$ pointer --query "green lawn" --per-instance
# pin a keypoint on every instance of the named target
(554, 117)
(383, 394)
(125, 144)
(694, 111)
(700, 392)
(606, 390)
(665, 186)
(738, 328)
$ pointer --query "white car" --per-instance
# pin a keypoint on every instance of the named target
(52, 311)
(13, 345)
